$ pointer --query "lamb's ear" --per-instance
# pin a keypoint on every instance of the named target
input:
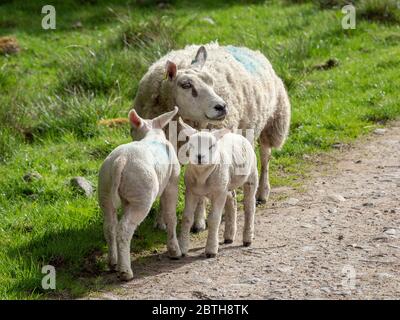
(188, 129)
(162, 120)
(218, 134)
(134, 119)
(201, 57)
(170, 70)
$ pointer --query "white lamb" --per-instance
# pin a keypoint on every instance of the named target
(137, 173)
(220, 87)
(219, 162)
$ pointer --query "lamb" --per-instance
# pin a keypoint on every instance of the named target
(135, 174)
(222, 87)
(219, 162)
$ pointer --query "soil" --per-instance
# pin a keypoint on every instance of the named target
(339, 238)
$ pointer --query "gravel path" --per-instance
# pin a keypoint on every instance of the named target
(339, 239)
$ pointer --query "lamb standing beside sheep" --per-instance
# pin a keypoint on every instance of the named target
(137, 173)
(219, 162)
(222, 87)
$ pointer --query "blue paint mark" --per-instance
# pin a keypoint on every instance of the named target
(249, 62)
(159, 151)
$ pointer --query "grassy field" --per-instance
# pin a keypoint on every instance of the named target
(63, 81)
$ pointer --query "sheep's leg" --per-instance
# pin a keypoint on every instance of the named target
(110, 232)
(169, 199)
(191, 202)
(159, 223)
(265, 155)
(127, 225)
(200, 216)
(249, 190)
(214, 220)
(230, 217)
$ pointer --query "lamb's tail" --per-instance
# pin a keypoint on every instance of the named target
(117, 168)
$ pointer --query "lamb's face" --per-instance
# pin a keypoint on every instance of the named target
(202, 148)
(194, 91)
(196, 98)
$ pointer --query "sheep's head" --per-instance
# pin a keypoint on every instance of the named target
(140, 127)
(193, 91)
(202, 145)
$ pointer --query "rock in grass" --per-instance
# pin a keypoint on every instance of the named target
(32, 176)
(9, 45)
(82, 186)
(380, 131)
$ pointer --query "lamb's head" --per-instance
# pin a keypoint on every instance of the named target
(193, 91)
(141, 127)
(202, 145)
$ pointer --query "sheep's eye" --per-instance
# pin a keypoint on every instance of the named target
(186, 85)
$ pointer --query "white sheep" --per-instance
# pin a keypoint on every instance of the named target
(135, 174)
(219, 162)
(220, 87)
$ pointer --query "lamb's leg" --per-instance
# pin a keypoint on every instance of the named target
(249, 190)
(159, 223)
(230, 217)
(214, 220)
(200, 216)
(127, 225)
(110, 231)
(191, 202)
(169, 199)
(265, 155)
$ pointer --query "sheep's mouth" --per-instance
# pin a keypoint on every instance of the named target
(220, 117)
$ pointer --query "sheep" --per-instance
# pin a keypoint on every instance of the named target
(219, 162)
(222, 87)
(135, 174)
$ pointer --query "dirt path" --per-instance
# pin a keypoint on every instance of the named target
(339, 239)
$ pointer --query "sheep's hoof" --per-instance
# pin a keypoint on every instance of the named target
(246, 243)
(228, 241)
(198, 229)
(260, 202)
(211, 255)
(125, 276)
(160, 226)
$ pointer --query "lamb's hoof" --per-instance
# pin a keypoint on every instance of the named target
(228, 241)
(160, 226)
(261, 202)
(125, 276)
(198, 229)
(246, 243)
(211, 255)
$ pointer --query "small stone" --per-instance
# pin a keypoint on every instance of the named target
(368, 204)
(390, 232)
(292, 201)
(380, 131)
(392, 211)
(358, 161)
(82, 185)
(332, 210)
(32, 176)
(336, 197)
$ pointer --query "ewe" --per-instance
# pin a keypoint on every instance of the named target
(137, 173)
(220, 87)
(219, 162)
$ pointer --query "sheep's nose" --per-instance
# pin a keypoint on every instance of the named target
(220, 108)
(199, 157)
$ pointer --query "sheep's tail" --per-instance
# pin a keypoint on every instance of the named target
(118, 167)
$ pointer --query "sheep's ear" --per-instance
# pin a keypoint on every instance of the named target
(170, 70)
(201, 57)
(162, 120)
(218, 134)
(135, 120)
(188, 129)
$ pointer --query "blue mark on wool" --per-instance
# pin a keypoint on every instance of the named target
(159, 151)
(249, 62)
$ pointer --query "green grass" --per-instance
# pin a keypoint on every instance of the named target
(54, 92)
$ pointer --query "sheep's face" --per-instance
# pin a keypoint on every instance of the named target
(194, 92)
(202, 149)
(202, 146)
